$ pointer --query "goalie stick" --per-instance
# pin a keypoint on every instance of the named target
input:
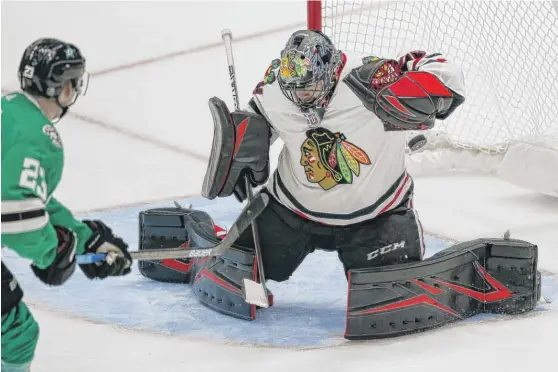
(244, 220)
(254, 293)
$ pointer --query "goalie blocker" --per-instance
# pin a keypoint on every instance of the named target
(240, 149)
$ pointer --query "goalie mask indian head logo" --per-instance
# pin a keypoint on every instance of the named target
(294, 65)
(329, 159)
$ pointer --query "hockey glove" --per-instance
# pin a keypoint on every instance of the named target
(256, 179)
(401, 100)
(118, 260)
(64, 263)
(240, 149)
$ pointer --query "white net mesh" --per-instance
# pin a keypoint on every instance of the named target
(508, 51)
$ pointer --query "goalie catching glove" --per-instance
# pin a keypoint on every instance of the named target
(118, 261)
(240, 149)
(401, 98)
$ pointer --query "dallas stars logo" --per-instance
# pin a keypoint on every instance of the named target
(70, 52)
(50, 131)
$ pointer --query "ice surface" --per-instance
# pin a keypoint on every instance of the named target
(309, 309)
(164, 105)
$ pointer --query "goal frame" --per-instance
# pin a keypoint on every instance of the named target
(442, 155)
(314, 9)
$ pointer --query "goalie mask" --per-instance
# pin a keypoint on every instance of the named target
(309, 67)
(47, 65)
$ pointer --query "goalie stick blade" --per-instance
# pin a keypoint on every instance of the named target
(254, 293)
(244, 220)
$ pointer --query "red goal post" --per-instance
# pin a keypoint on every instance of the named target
(508, 125)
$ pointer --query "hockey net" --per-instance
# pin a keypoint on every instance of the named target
(508, 124)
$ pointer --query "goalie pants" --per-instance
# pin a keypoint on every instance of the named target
(287, 238)
(20, 331)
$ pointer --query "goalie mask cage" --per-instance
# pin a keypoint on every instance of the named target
(508, 51)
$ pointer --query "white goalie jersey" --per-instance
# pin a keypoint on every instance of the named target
(344, 168)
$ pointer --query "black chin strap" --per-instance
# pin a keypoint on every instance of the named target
(63, 108)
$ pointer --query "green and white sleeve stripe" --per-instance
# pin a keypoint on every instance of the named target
(20, 216)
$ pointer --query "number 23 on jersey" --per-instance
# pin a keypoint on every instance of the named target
(33, 177)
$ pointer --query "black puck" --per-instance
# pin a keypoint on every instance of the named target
(417, 142)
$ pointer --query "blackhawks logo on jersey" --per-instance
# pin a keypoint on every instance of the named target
(329, 159)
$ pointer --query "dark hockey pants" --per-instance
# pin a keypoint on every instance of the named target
(287, 238)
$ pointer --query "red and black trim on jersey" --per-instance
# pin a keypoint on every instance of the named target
(400, 190)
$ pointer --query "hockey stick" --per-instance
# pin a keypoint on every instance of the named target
(254, 293)
(244, 220)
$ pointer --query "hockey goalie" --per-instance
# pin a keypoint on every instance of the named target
(341, 186)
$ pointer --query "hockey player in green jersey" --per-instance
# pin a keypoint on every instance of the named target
(34, 224)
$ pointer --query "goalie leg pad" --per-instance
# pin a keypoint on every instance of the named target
(218, 283)
(478, 276)
(167, 228)
(218, 280)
